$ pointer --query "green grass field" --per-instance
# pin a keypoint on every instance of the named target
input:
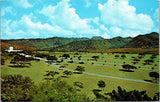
(39, 68)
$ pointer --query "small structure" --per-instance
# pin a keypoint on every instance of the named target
(10, 49)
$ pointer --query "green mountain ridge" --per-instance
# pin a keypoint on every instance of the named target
(141, 41)
(150, 40)
(44, 43)
(144, 41)
(95, 44)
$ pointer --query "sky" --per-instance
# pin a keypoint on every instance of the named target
(24, 19)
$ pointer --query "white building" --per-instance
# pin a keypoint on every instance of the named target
(10, 49)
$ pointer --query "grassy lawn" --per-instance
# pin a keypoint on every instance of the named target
(39, 68)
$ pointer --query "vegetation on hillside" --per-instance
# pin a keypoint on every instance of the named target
(19, 88)
(44, 43)
(5, 46)
(144, 41)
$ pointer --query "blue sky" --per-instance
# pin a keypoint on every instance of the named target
(78, 18)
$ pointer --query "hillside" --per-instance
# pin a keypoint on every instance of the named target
(95, 44)
(44, 43)
(118, 42)
(144, 41)
(85, 45)
(5, 46)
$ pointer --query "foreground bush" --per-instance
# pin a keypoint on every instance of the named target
(19, 88)
(15, 87)
(55, 91)
(134, 95)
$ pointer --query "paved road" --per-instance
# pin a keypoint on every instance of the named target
(92, 73)
(104, 75)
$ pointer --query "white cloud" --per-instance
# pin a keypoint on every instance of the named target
(5, 10)
(104, 28)
(121, 14)
(105, 35)
(116, 31)
(27, 28)
(156, 15)
(22, 3)
(88, 4)
(65, 16)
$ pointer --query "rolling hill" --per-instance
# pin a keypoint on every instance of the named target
(141, 41)
(95, 44)
(5, 46)
(144, 41)
(44, 43)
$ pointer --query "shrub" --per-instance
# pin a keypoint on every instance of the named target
(81, 62)
(51, 58)
(123, 95)
(66, 55)
(15, 87)
(57, 90)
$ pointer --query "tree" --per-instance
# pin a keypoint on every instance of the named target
(123, 56)
(148, 61)
(65, 56)
(134, 95)
(2, 61)
(116, 56)
(66, 72)
(15, 87)
(127, 66)
(80, 69)
(154, 74)
(95, 57)
(136, 60)
(101, 84)
(51, 58)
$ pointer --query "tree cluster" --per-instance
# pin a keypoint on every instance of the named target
(135, 95)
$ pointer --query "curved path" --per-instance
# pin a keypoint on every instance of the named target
(92, 73)
(103, 75)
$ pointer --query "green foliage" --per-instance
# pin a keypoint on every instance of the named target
(95, 57)
(15, 87)
(144, 41)
(123, 56)
(66, 55)
(57, 90)
(127, 66)
(154, 74)
(19, 88)
(123, 95)
(80, 68)
(51, 73)
(51, 58)
(67, 72)
(44, 43)
(79, 84)
(2, 61)
(116, 56)
(101, 84)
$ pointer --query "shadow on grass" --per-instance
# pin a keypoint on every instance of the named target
(98, 95)
(96, 90)
(151, 81)
(17, 66)
(126, 70)
(64, 76)
(78, 72)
